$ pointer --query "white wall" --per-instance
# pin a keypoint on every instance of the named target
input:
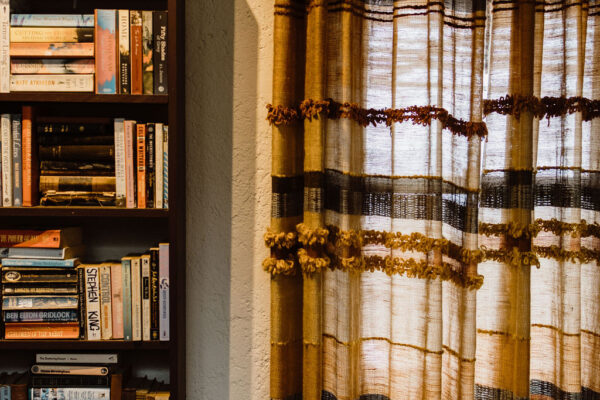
(228, 75)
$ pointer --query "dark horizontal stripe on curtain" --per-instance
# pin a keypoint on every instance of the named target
(286, 196)
(329, 396)
(548, 389)
(488, 393)
(545, 107)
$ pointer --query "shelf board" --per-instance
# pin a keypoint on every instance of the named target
(43, 97)
(100, 212)
(105, 345)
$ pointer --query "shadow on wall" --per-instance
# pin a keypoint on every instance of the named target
(221, 147)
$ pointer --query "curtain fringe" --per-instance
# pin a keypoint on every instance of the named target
(517, 230)
(545, 107)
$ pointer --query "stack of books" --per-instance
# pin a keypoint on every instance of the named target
(13, 386)
(145, 389)
(39, 47)
(40, 286)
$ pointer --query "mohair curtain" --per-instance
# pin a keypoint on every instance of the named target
(435, 198)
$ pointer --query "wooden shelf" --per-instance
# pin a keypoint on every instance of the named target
(105, 345)
(44, 97)
(99, 212)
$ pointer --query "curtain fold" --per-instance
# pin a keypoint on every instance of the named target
(418, 250)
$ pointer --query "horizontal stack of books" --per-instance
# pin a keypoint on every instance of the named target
(13, 386)
(40, 296)
(109, 52)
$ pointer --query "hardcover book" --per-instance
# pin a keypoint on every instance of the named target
(160, 52)
(51, 34)
(147, 57)
(106, 51)
(136, 51)
(124, 61)
(53, 20)
(77, 153)
(77, 183)
(53, 238)
(52, 83)
(52, 50)
(13, 237)
(51, 66)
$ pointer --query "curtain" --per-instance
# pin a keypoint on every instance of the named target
(435, 188)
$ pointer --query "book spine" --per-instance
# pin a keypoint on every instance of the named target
(52, 83)
(51, 66)
(49, 393)
(141, 165)
(160, 52)
(37, 330)
(65, 140)
(159, 163)
(81, 292)
(106, 51)
(120, 162)
(54, 34)
(17, 161)
(105, 303)
(150, 166)
(53, 20)
(46, 128)
(166, 167)
(116, 286)
(130, 167)
(4, 46)
(154, 304)
(39, 302)
(30, 162)
(163, 287)
(136, 299)
(76, 358)
(5, 392)
(124, 61)
(136, 51)
(7, 166)
(77, 153)
(145, 259)
(147, 58)
(77, 183)
(24, 262)
(8, 290)
(69, 381)
(126, 272)
(41, 316)
(52, 49)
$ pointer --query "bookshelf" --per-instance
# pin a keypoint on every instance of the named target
(111, 231)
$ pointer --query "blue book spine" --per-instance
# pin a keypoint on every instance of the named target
(31, 262)
(106, 51)
(41, 316)
(17, 161)
(126, 275)
(53, 20)
(5, 392)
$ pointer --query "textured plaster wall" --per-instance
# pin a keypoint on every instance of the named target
(228, 76)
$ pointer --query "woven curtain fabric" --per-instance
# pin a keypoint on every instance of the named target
(434, 228)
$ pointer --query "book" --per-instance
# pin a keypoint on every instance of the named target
(81, 293)
(165, 181)
(163, 288)
(159, 30)
(105, 302)
(77, 152)
(106, 51)
(54, 238)
(154, 303)
(46, 254)
(31, 262)
(116, 288)
(145, 260)
(17, 383)
(124, 62)
(78, 393)
(52, 83)
(101, 199)
(52, 50)
(136, 299)
(60, 139)
(74, 125)
(65, 381)
(136, 51)
(158, 166)
(130, 165)
(7, 165)
(51, 66)
(53, 20)
(141, 165)
(29, 159)
(13, 237)
(81, 183)
(30, 34)
(60, 369)
(52, 289)
(147, 57)
(126, 279)
(38, 275)
(39, 302)
(77, 358)
(81, 167)
(150, 166)
(41, 330)
(4, 46)
(41, 316)
(17, 161)
(92, 303)
(119, 142)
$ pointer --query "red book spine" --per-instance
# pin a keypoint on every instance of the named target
(135, 31)
(30, 163)
(141, 165)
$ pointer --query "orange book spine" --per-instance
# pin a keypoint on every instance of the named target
(30, 163)
(47, 239)
(130, 166)
(116, 287)
(141, 165)
(40, 330)
(135, 31)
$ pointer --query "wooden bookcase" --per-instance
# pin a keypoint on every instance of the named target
(109, 232)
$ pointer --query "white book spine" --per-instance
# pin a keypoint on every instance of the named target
(130, 167)
(52, 83)
(163, 291)
(76, 358)
(136, 299)
(120, 161)
(145, 297)
(4, 46)
(7, 163)
(69, 393)
(92, 303)
(105, 302)
(165, 166)
(159, 162)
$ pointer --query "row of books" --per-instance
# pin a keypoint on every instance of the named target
(109, 52)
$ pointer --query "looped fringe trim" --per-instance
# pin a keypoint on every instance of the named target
(515, 230)
(583, 256)
(418, 115)
(310, 265)
(312, 237)
(276, 266)
(514, 257)
(545, 107)
(281, 240)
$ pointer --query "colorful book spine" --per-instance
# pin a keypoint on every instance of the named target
(166, 167)
(150, 166)
(51, 66)
(160, 52)
(136, 299)
(7, 165)
(41, 316)
(147, 57)
(116, 287)
(38, 330)
(34, 262)
(145, 260)
(52, 83)
(92, 303)
(130, 166)
(163, 288)
(106, 51)
(159, 165)
(81, 291)
(52, 49)
(105, 303)
(121, 185)
(84, 393)
(54, 20)
(126, 276)
(141, 165)
(4, 46)
(39, 302)
(124, 59)
(136, 51)
(51, 34)
(17, 161)
(154, 303)
(30, 162)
